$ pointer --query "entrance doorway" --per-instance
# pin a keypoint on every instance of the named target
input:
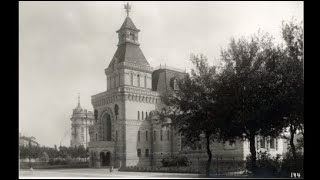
(105, 158)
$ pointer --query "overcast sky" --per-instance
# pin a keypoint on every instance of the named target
(64, 48)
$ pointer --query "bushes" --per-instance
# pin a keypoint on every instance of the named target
(185, 169)
(275, 167)
(266, 166)
(290, 166)
(176, 161)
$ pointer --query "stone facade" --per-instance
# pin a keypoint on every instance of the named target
(126, 130)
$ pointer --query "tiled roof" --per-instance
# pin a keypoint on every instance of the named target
(128, 24)
(129, 53)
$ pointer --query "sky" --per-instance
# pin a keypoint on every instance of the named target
(64, 48)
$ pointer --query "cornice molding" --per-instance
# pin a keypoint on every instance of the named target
(126, 94)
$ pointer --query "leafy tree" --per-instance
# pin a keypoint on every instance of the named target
(191, 108)
(44, 157)
(291, 71)
(246, 90)
(82, 151)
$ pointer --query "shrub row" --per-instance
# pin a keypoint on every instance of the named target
(175, 161)
(185, 169)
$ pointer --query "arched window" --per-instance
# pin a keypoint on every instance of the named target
(131, 79)
(132, 35)
(138, 136)
(96, 115)
(145, 81)
(139, 152)
(106, 127)
(116, 110)
(138, 115)
(138, 80)
(142, 114)
(146, 135)
(147, 152)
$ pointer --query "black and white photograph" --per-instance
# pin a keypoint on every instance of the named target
(146, 89)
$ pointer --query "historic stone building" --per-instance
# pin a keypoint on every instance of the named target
(80, 121)
(126, 131)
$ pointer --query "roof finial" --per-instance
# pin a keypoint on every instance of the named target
(78, 99)
(128, 8)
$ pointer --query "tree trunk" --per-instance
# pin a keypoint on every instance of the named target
(209, 155)
(293, 147)
(253, 153)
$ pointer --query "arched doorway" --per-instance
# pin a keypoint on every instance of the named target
(105, 158)
(108, 158)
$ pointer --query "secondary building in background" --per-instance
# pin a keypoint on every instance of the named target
(80, 121)
(24, 141)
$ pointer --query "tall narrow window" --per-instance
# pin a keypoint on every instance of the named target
(138, 115)
(276, 144)
(147, 152)
(114, 82)
(161, 135)
(146, 115)
(139, 152)
(145, 81)
(131, 79)
(96, 137)
(138, 80)
(154, 135)
(108, 128)
(262, 142)
(119, 79)
(168, 135)
(138, 136)
(142, 114)
(146, 135)
(272, 143)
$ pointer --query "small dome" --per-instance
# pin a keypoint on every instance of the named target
(78, 110)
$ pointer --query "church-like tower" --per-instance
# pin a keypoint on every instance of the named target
(124, 134)
(80, 121)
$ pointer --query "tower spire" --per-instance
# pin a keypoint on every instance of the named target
(127, 7)
(78, 99)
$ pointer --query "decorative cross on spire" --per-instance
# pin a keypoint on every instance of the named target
(128, 8)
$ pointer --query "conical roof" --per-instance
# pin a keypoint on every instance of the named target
(128, 24)
(131, 53)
